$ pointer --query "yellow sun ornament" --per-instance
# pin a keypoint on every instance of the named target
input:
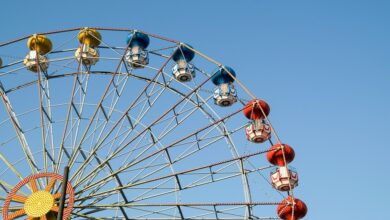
(38, 204)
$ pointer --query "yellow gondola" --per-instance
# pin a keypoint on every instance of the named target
(90, 37)
(39, 43)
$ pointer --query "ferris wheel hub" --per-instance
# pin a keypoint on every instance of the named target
(42, 202)
(38, 204)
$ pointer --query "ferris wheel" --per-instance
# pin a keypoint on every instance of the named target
(106, 123)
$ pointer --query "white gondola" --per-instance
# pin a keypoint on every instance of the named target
(225, 95)
(33, 58)
(87, 55)
(137, 57)
(183, 71)
(283, 178)
(258, 131)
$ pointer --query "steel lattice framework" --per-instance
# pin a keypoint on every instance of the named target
(139, 143)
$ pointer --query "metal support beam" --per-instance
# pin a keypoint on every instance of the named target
(63, 193)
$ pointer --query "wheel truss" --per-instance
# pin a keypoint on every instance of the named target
(139, 143)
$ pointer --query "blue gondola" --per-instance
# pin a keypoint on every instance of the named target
(183, 71)
(225, 94)
(136, 55)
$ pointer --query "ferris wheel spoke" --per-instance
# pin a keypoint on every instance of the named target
(13, 208)
(111, 170)
(197, 183)
(171, 161)
(19, 132)
(96, 210)
(6, 187)
(106, 45)
(98, 199)
(123, 115)
(45, 106)
(105, 122)
(54, 209)
(14, 71)
(121, 126)
(33, 184)
(79, 89)
(105, 180)
(147, 146)
(156, 140)
(50, 185)
(87, 216)
(141, 144)
(163, 184)
(133, 122)
(135, 162)
(101, 106)
(224, 130)
(174, 118)
(161, 212)
(10, 166)
(147, 167)
(176, 91)
(98, 107)
(142, 209)
(108, 109)
(147, 102)
(99, 128)
(95, 173)
(17, 214)
(199, 142)
(212, 210)
(179, 116)
(146, 99)
(244, 177)
(46, 119)
(76, 109)
(180, 143)
(207, 208)
(119, 183)
(100, 124)
(119, 149)
(19, 198)
(93, 200)
(193, 184)
(143, 169)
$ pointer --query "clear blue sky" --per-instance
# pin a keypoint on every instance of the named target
(323, 66)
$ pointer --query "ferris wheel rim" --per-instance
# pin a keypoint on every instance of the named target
(248, 200)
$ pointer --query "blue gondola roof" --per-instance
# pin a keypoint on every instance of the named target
(183, 53)
(140, 39)
(223, 77)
